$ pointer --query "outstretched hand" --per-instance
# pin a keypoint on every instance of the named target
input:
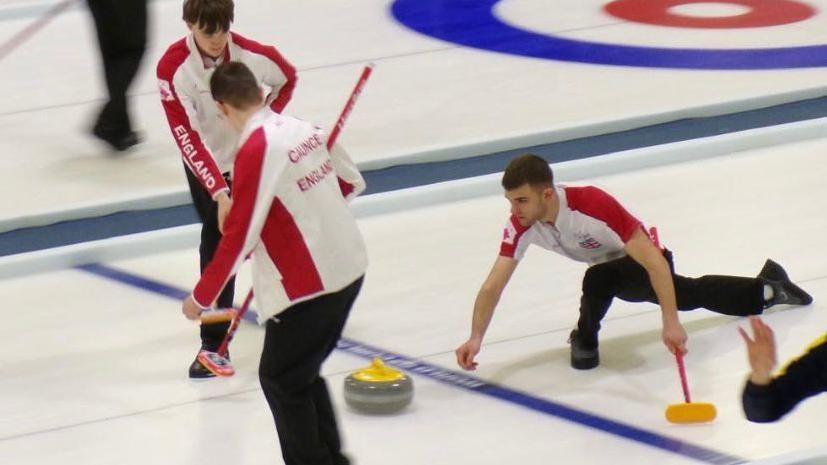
(761, 350)
(466, 354)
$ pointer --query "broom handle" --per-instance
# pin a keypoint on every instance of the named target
(682, 371)
(222, 350)
(354, 94)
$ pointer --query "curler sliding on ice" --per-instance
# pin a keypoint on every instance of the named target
(589, 225)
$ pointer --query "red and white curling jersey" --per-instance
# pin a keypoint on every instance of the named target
(206, 140)
(591, 227)
(289, 212)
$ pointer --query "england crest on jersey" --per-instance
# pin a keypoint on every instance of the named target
(588, 242)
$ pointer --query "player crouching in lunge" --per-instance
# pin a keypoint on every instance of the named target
(588, 225)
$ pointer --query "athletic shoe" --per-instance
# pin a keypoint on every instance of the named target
(784, 291)
(582, 358)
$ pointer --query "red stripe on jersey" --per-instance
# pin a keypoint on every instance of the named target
(286, 90)
(195, 154)
(512, 233)
(286, 247)
(597, 204)
(346, 187)
(247, 173)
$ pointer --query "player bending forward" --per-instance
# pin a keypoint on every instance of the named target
(588, 225)
(291, 215)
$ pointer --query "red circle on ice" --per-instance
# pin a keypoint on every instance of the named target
(763, 13)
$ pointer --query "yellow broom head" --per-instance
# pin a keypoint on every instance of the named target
(221, 315)
(693, 412)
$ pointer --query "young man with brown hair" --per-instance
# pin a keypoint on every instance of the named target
(586, 224)
(206, 141)
(290, 214)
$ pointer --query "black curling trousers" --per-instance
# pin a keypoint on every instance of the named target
(207, 208)
(295, 346)
(121, 27)
(627, 280)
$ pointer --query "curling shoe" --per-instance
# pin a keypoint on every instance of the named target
(784, 291)
(582, 358)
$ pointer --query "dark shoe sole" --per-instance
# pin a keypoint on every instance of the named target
(585, 363)
(797, 295)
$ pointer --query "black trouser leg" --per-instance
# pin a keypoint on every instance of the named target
(328, 426)
(626, 279)
(728, 295)
(207, 208)
(121, 28)
(293, 353)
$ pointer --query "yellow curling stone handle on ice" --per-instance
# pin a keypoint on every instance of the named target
(377, 371)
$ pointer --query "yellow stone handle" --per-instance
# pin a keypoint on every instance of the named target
(378, 372)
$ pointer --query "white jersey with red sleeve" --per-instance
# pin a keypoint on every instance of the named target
(207, 143)
(591, 227)
(289, 215)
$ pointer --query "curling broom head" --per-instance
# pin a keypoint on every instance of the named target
(691, 412)
(221, 315)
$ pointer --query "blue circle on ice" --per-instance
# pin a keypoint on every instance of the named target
(472, 23)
